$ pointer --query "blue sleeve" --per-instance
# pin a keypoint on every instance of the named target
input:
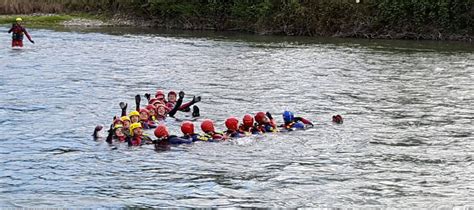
(237, 135)
(177, 140)
(298, 125)
(195, 137)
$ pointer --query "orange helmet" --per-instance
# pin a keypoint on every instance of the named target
(150, 107)
(259, 117)
(207, 126)
(232, 123)
(187, 128)
(248, 120)
(160, 95)
(161, 131)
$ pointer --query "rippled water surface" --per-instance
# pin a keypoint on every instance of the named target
(407, 139)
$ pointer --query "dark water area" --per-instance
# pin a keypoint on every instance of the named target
(407, 138)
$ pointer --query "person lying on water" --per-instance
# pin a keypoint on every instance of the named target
(126, 125)
(185, 107)
(162, 133)
(118, 134)
(125, 122)
(18, 32)
(232, 125)
(248, 127)
(265, 122)
(145, 119)
(151, 112)
(207, 126)
(187, 128)
(137, 137)
(291, 122)
(134, 117)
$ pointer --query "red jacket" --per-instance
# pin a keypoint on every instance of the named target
(18, 32)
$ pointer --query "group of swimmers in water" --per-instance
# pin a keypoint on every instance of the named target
(129, 128)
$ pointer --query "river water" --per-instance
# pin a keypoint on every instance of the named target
(407, 138)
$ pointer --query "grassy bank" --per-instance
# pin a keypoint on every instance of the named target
(390, 19)
(51, 20)
(37, 20)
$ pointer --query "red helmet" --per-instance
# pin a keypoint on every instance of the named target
(187, 128)
(160, 95)
(172, 93)
(152, 101)
(150, 107)
(145, 110)
(248, 120)
(207, 126)
(161, 131)
(118, 120)
(259, 117)
(232, 123)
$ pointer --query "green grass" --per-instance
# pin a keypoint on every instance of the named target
(45, 20)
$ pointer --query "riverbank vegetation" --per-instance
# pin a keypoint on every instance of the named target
(41, 20)
(403, 19)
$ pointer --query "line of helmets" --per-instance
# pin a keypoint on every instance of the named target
(129, 128)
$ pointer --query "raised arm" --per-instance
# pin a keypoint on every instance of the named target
(303, 120)
(187, 105)
(137, 102)
(177, 105)
(123, 107)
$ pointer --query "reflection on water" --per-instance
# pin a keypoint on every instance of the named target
(406, 141)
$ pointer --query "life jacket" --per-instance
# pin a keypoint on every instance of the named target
(215, 136)
(18, 32)
(267, 127)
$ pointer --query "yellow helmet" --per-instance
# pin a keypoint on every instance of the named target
(125, 118)
(118, 126)
(134, 126)
(19, 19)
(134, 113)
